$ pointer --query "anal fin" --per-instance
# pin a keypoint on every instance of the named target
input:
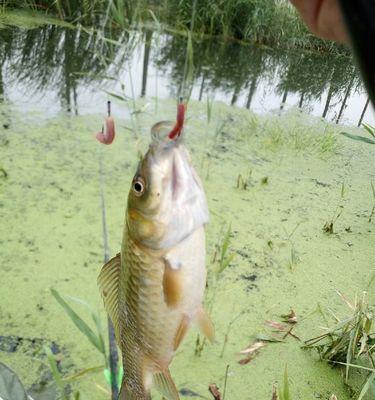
(108, 281)
(205, 324)
(164, 384)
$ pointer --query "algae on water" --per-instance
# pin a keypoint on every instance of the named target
(52, 238)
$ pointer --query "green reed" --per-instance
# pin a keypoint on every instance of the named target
(271, 22)
(350, 342)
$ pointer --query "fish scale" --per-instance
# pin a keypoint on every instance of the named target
(145, 304)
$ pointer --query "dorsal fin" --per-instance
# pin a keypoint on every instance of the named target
(108, 281)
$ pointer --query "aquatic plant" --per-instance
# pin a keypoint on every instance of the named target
(95, 338)
(297, 131)
(329, 225)
(294, 259)
(284, 391)
(221, 259)
(351, 342)
(270, 22)
(244, 182)
(368, 128)
(373, 207)
(215, 391)
(56, 373)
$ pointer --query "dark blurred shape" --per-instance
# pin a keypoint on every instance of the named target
(360, 19)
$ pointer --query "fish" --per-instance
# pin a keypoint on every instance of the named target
(153, 289)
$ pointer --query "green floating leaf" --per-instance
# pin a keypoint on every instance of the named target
(10, 385)
(79, 322)
(357, 137)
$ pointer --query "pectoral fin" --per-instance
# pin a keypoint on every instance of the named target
(164, 384)
(205, 325)
(108, 281)
(172, 284)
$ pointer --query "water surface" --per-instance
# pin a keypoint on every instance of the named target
(49, 69)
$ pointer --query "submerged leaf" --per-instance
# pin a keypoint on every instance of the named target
(357, 137)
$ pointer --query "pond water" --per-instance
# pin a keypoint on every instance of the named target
(300, 174)
(50, 69)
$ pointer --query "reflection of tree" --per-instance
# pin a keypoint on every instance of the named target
(364, 111)
(146, 57)
(63, 59)
(310, 74)
(225, 66)
(346, 96)
(57, 58)
(233, 67)
(6, 49)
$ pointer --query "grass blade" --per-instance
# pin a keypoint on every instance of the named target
(96, 319)
(55, 372)
(366, 386)
(286, 385)
(79, 322)
(370, 129)
(83, 372)
(357, 137)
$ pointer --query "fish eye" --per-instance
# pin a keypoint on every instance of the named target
(138, 186)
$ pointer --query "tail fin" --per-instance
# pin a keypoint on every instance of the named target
(132, 394)
(164, 384)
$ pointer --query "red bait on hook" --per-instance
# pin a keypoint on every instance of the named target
(107, 136)
(176, 131)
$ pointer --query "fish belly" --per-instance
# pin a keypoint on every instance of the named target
(149, 323)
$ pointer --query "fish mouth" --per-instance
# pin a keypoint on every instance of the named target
(166, 133)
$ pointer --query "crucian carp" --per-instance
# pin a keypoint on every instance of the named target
(153, 289)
